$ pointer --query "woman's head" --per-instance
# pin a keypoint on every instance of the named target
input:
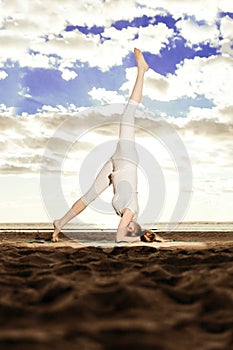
(134, 229)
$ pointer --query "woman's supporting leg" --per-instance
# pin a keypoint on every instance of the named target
(101, 182)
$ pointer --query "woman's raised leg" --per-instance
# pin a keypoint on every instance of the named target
(142, 67)
(126, 131)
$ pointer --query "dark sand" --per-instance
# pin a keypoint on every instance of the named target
(61, 296)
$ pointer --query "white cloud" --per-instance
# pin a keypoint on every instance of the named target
(68, 74)
(226, 27)
(222, 116)
(225, 5)
(25, 92)
(201, 9)
(226, 30)
(6, 110)
(196, 34)
(59, 109)
(3, 75)
(38, 60)
(106, 96)
(209, 77)
(77, 46)
(153, 37)
(13, 44)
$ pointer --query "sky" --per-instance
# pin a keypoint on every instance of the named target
(61, 61)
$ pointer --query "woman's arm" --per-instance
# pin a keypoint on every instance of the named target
(122, 230)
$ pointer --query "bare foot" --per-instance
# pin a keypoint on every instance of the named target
(56, 232)
(141, 62)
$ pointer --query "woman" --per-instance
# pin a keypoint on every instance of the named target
(121, 172)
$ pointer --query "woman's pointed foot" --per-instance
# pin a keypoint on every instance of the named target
(56, 232)
(141, 62)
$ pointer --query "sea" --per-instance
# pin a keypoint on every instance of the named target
(161, 226)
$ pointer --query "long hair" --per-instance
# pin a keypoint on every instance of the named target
(147, 231)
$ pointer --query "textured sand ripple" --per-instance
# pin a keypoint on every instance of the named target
(116, 298)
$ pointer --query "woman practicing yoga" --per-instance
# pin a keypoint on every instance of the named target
(121, 172)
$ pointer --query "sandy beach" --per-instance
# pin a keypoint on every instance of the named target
(68, 295)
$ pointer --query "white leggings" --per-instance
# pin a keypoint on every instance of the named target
(121, 169)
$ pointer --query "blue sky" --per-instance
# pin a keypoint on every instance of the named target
(48, 87)
(59, 58)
